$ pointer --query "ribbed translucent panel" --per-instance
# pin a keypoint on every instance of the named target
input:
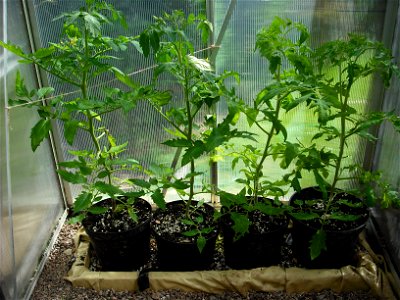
(142, 128)
(326, 20)
(388, 158)
(30, 198)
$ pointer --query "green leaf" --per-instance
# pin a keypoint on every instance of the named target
(14, 49)
(190, 233)
(200, 64)
(75, 178)
(42, 92)
(344, 217)
(82, 202)
(160, 98)
(201, 243)
(39, 132)
(133, 214)
(140, 182)
(154, 40)
(241, 224)
(144, 41)
(124, 78)
(291, 152)
(188, 222)
(44, 52)
(73, 164)
(107, 188)
(20, 87)
(317, 243)
(70, 129)
(97, 210)
(251, 115)
(92, 24)
(158, 198)
(305, 216)
(193, 152)
(118, 148)
(178, 143)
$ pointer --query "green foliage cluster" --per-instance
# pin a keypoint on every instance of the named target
(322, 79)
(195, 129)
(264, 112)
(82, 55)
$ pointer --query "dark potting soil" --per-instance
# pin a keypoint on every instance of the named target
(170, 224)
(119, 221)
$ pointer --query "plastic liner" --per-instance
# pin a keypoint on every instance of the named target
(366, 276)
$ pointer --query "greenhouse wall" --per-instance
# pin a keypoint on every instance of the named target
(31, 198)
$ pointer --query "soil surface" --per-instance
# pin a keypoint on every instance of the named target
(51, 284)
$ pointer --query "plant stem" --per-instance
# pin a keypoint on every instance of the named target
(268, 143)
(342, 137)
(89, 115)
(189, 137)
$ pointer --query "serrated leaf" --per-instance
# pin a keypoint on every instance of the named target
(118, 148)
(199, 63)
(20, 87)
(154, 40)
(70, 129)
(201, 243)
(241, 224)
(73, 164)
(92, 24)
(178, 143)
(44, 52)
(14, 49)
(42, 92)
(144, 41)
(132, 214)
(39, 132)
(107, 188)
(193, 152)
(103, 174)
(304, 216)
(190, 233)
(82, 202)
(75, 178)
(140, 182)
(158, 198)
(187, 222)
(97, 210)
(344, 217)
(76, 219)
(317, 243)
(124, 78)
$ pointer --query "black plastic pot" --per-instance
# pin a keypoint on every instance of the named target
(341, 245)
(173, 254)
(125, 250)
(256, 248)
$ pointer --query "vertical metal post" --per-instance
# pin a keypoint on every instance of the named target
(8, 194)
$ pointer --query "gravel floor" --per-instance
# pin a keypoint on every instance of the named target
(51, 284)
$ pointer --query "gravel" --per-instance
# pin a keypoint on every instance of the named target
(51, 284)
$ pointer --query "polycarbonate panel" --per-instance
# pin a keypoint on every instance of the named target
(326, 20)
(143, 128)
(30, 211)
(388, 161)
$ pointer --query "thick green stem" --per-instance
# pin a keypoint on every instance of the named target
(266, 153)
(342, 138)
(90, 117)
